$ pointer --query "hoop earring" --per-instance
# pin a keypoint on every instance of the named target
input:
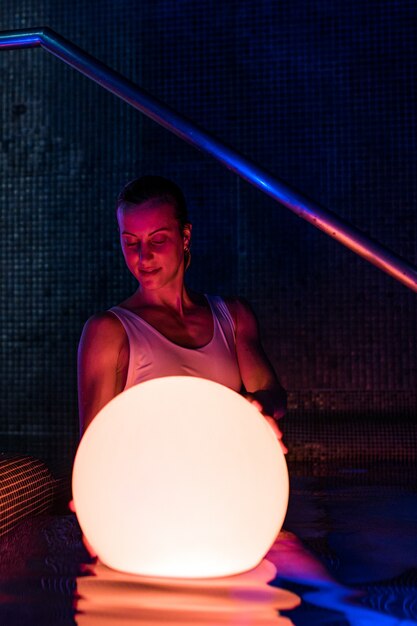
(187, 257)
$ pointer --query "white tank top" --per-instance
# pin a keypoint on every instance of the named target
(151, 355)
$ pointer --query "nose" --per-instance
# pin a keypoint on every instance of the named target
(145, 252)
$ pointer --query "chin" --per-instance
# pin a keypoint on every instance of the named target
(152, 282)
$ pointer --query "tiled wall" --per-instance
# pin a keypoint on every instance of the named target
(320, 93)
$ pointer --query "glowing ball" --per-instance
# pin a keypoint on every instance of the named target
(180, 477)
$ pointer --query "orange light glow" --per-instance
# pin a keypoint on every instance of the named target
(180, 477)
(109, 598)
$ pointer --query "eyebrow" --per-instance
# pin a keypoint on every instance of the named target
(125, 232)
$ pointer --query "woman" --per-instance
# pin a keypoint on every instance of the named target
(164, 328)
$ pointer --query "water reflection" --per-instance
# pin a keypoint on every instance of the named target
(110, 598)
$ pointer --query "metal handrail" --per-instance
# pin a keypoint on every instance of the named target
(120, 86)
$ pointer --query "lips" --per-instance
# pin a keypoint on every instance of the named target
(149, 271)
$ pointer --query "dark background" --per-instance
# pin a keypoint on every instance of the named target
(321, 93)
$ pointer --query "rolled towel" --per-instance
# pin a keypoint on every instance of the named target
(27, 488)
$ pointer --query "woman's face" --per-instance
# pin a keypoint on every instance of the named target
(152, 244)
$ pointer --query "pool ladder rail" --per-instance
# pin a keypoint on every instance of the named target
(112, 81)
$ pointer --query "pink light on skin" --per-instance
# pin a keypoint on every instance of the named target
(180, 477)
(152, 245)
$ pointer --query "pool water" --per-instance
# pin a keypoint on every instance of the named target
(348, 556)
(360, 526)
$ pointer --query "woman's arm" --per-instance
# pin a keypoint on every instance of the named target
(259, 379)
(101, 359)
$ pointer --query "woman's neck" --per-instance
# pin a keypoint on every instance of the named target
(168, 298)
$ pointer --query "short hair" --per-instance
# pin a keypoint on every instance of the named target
(147, 188)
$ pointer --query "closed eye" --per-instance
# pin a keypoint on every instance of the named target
(159, 240)
(156, 241)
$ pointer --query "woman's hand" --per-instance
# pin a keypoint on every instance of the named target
(87, 546)
(271, 411)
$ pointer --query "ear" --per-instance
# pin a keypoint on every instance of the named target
(186, 234)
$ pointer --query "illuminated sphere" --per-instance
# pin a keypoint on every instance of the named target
(180, 477)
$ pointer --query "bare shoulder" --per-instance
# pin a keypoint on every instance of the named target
(242, 313)
(102, 362)
(104, 328)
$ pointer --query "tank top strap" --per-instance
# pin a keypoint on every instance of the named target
(223, 318)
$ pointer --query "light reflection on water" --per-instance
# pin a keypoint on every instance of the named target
(365, 535)
(109, 598)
